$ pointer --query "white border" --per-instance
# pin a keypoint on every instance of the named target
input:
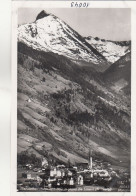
(67, 4)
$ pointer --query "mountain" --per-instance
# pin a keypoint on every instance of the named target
(119, 74)
(65, 107)
(49, 33)
(111, 50)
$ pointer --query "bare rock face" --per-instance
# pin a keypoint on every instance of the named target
(42, 14)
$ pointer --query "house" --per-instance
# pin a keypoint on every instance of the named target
(39, 180)
(29, 100)
(53, 172)
(82, 166)
(44, 162)
(60, 166)
(26, 175)
(80, 180)
(58, 173)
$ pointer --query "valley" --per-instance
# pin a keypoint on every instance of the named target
(72, 99)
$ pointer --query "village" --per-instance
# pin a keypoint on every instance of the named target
(91, 176)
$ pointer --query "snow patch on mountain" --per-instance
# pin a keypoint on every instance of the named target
(111, 50)
(51, 34)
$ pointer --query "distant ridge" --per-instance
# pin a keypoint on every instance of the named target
(111, 50)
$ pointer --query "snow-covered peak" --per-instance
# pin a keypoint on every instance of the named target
(49, 33)
(111, 50)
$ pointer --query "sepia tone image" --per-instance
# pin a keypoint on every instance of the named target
(74, 100)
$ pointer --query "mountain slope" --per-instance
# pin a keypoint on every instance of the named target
(66, 113)
(111, 50)
(65, 106)
(49, 33)
(119, 74)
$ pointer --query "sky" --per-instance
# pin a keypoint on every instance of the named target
(106, 23)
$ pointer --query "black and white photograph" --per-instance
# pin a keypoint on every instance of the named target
(73, 99)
